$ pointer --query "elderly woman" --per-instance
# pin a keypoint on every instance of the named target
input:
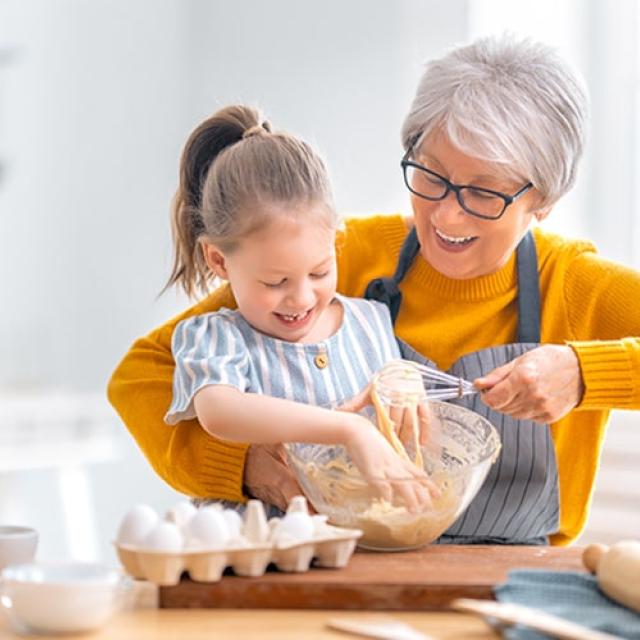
(542, 324)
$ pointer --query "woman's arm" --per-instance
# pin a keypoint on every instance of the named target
(598, 368)
(603, 300)
(185, 456)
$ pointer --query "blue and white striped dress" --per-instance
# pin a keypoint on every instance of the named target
(223, 348)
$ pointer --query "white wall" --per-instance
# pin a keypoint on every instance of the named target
(93, 113)
(563, 25)
(600, 39)
(97, 105)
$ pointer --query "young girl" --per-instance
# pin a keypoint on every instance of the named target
(255, 208)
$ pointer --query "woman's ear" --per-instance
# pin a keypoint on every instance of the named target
(541, 214)
(215, 260)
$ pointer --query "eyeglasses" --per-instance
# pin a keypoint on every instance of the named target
(476, 201)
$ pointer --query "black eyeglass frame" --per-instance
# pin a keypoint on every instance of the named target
(456, 188)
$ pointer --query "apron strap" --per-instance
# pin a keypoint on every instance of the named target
(386, 290)
(528, 291)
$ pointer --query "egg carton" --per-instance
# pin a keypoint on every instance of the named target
(260, 544)
(165, 569)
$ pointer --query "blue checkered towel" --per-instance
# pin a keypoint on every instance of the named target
(573, 596)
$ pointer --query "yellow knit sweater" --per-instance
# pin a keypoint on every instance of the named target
(587, 302)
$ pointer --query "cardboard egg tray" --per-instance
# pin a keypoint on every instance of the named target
(165, 568)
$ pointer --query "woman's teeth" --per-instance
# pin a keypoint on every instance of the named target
(455, 240)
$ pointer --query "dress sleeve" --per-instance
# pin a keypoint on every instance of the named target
(208, 350)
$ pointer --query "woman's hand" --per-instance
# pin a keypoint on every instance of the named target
(267, 476)
(543, 385)
(405, 420)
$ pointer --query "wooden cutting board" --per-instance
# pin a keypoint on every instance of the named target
(425, 579)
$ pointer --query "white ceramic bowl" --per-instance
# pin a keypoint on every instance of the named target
(60, 598)
(17, 544)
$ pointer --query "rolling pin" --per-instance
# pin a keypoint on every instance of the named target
(617, 569)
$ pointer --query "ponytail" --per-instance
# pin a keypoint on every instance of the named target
(221, 182)
(223, 129)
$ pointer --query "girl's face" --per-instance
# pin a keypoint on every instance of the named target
(453, 242)
(284, 276)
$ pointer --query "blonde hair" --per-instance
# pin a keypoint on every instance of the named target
(232, 168)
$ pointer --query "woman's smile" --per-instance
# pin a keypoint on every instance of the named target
(453, 243)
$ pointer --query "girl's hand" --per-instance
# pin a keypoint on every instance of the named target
(267, 476)
(543, 385)
(382, 467)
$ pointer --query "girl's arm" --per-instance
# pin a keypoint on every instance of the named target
(232, 415)
(228, 413)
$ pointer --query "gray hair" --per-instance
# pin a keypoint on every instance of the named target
(511, 102)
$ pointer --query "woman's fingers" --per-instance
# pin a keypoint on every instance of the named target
(413, 424)
(267, 476)
(426, 422)
(358, 402)
(494, 377)
(397, 417)
(500, 387)
(543, 385)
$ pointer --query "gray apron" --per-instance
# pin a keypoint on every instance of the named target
(519, 500)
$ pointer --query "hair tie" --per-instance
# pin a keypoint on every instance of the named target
(257, 130)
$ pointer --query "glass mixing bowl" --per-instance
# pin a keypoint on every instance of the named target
(462, 447)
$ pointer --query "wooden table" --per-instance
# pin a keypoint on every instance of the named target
(142, 619)
(426, 579)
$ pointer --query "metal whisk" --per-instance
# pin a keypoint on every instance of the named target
(406, 381)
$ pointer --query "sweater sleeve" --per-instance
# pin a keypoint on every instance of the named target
(185, 456)
(602, 302)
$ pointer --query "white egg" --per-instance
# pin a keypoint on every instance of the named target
(136, 524)
(181, 513)
(208, 528)
(164, 537)
(298, 525)
(234, 522)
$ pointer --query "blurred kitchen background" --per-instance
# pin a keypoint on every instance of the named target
(96, 100)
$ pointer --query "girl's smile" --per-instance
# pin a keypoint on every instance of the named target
(283, 276)
(295, 320)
